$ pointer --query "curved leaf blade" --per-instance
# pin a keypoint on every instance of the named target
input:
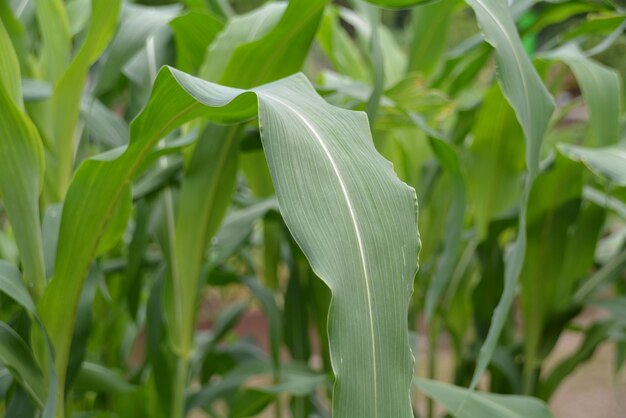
(19, 359)
(607, 162)
(463, 403)
(335, 196)
(601, 90)
(533, 105)
(335, 192)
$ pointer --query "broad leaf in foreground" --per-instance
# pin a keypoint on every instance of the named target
(335, 193)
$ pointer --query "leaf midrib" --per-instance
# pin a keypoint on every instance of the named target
(357, 231)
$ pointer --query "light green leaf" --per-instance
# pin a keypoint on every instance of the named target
(103, 124)
(608, 162)
(253, 62)
(398, 3)
(340, 48)
(238, 225)
(137, 24)
(335, 192)
(239, 30)
(21, 170)
(9, 67)
(463, 403)
(348, 248)
(193, 33)
(11, 284)
(35, 90)
(198, 220)
(280, 52)
(65, 101)
(55, 33)
(601, 89)
(430, 24)
(533, 107)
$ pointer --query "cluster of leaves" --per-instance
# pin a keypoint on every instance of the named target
(167, 174)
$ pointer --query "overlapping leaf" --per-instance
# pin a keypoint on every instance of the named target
(335, 193)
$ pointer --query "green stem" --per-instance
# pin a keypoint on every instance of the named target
(180, 386)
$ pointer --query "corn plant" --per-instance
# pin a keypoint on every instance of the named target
(172, 173)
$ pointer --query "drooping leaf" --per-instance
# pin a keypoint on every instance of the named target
(253, 62)
(463, 403)
(607, 162)
(98, 378)
(367, 259)
(105, 126)
(601, 89)
(595, 335)
(11, 285)
(19, 359)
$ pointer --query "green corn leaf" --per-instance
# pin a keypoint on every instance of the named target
(367, 259)
(54, 26)
(137, 24)
(340, 48)
(19, 359)
(66, 97)
(533, 107)
(463, 403)
(398, 3)
(98, 378)
(601, 89)
(594, 336)
(239, 30)
(9, 67)
(193, 33)
(278, 53)
(449, 159)
(494, 160)
(11, 285)
(21, 169)
(607, 162)
(35, 90)
(430, 24)
(253, 63)
(105, 126)
(205, 196)
(238, 225)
